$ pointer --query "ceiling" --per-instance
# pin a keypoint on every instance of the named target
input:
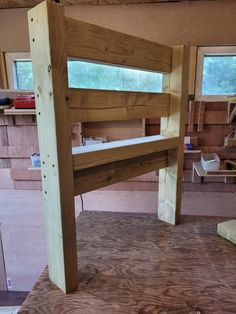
(10, 4)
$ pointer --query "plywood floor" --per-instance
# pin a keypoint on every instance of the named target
(133, 263)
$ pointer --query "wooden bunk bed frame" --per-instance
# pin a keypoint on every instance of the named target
(54, 38)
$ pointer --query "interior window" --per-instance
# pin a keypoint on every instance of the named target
(83, 74)
(216, 73)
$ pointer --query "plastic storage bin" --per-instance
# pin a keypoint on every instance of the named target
(210, 162)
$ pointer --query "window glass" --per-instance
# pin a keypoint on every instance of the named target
(99, 76)
(89, 75)
(23, 75)
(219, 75)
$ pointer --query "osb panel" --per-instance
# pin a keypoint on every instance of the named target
(138, 264)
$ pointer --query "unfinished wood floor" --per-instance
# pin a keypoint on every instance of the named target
(133, 263)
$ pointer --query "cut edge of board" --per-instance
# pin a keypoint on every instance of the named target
(227, 230)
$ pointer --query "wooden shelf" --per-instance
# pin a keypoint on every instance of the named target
(14, 111)
(199, 173)
(194, 151)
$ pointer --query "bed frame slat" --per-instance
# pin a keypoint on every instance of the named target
(92, 42)
(103, 105)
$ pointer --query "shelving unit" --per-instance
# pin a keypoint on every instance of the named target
(60, 106)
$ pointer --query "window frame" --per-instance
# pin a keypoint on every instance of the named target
(10, 58)
(201, 53)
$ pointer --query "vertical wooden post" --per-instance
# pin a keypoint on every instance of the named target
(48, 52)
(170, 178)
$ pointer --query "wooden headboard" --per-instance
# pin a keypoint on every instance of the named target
(55, 37)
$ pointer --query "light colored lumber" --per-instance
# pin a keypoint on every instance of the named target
(103, 105)
(170, 178)
(47, 40)
(97, 177)
(99, 154)
(14, 112)
(92, 42)
(227, 230)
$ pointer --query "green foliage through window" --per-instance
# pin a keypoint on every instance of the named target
(219, 75)
(83, 74)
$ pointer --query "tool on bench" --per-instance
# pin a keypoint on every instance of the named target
(24, 102)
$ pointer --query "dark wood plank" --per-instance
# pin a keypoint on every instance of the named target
(133, 263)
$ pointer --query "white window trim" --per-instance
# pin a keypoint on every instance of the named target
(10, 57)
(203, 51)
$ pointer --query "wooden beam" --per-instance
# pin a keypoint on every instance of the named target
(92, 42)
(170, 179)
(49, 59)
(102, 105)
(191, 115)
(85, 180)
(10, 4)
(192, 69)
(100, 154)
(201, 111)
(3, 73)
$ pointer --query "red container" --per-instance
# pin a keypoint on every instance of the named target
(24, 102)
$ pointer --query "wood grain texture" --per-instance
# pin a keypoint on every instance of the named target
(97, 177)
(102, 105)
(133, 263)
(99, 154)
(170, 179)
(191, 115)
(49, 60)
(3, 74)
(10, 4)
(114, 130)
(92, 42)
(25, 175)
(201, 112)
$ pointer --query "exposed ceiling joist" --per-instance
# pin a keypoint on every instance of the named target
(11, 4)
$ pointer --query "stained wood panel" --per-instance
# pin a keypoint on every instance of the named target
(123, 268)
(99, 105)
(25, 175)
(92, 42)
(114, 130)
(31, 3)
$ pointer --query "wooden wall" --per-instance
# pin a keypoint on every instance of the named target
(195, 23)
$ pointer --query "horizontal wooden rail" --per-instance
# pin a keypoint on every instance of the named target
(100, 154)
(102, 105)
(92, 42)
(90, 179)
